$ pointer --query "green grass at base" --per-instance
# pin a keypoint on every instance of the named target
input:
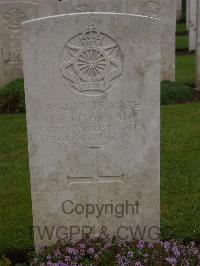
(15, 199)
(185, 69)
(181, 27)
(173, 92)
(180, 172)
(182, 42)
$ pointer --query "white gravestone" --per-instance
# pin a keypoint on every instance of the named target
(187, 13)
(69, 6)
(92, 84)
(192, 24)
(55, 7)
(164, 9)
(12, 14)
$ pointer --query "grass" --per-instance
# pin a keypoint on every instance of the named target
(15, 201)
(185, 64)
(185, 69)
(181, 27)
(173, 92)
(180, 182)
(12, 99)
(182, 42)
(180, 171)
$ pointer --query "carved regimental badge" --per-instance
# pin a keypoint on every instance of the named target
(93, 62)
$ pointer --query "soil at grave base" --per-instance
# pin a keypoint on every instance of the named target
(184, 52)
(195, 98)
(181, 33)
(17, 255)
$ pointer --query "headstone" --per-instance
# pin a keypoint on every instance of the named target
(68, 6)
(92, 85)
(12, 14)
(187, 13)
(164, 9)
(47, 7)
(192, 24)
(198, 48)
(55, 7)
(178, 10)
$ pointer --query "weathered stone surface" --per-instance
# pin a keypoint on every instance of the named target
(168, 39)
(92, 85)
(48, 8)
(178, 9)
(12, 14)
(187, 13)
(165, 9)
(74, 6)
(192, 24)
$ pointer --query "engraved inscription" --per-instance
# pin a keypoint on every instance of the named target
(76, 123)
(95, 177)
(14, 17)
(151, 8)
(11, 57)
(93, 62)
(116, 6)
(94, 6)
(83, 8)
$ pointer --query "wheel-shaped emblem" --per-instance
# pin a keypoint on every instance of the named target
(91, 64)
